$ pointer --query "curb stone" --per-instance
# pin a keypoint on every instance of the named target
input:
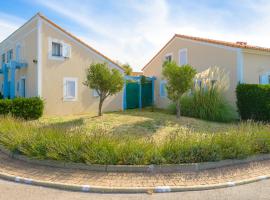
(100, 189)
(167, 168)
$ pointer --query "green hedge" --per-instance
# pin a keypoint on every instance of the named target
(5, 106)
(253, 101)
(26, 108)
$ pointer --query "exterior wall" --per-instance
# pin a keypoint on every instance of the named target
(201, 56)
(54, 71)
(26, 36)
(255, 64)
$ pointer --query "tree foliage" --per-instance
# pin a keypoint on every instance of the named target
(104, 80)
(179, 80)
(127, 68)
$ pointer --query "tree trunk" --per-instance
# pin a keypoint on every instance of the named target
(100, 107)
(178, 111)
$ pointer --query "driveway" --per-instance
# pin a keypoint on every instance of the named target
(17, 191)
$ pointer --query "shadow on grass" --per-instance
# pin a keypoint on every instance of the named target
(66, 125)
(159, 117)
(146, 128)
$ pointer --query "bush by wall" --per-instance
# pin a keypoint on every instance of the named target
(253, 101)
(26, 108)
(208, 105)
(5, 106)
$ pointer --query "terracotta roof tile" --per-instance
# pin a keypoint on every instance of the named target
(241, 45)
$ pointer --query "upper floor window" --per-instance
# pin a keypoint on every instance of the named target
(10, 55)
(265, 79)
(183, 57)
(168, 57)
(56, 49)
(3, 58)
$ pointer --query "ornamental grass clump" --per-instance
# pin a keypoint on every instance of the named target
(206, 100)
(100, 147)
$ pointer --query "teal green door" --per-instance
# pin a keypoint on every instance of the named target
(132, 95)
(147, 94)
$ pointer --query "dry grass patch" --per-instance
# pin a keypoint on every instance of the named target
(156, 125)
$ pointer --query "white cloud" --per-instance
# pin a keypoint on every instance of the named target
(8, 24)
(134, 43)
(138, 29)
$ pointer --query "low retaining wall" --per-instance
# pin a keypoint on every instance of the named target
(189, 167)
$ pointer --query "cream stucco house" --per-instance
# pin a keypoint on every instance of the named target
(42, 59)
(244, 63)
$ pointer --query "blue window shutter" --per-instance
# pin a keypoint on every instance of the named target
(163, 92)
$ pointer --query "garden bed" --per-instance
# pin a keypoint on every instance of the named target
(133, 138)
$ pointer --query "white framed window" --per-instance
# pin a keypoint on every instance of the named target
(58, 50)
(22, 86)
(70, 89)
(168, 57)
(264, 79)
(95, 94)
(162, 88)
(183, 57)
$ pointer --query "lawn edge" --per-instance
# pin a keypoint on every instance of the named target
(169, 168)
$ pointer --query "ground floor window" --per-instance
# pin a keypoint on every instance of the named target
(264, 79)
(70, 89)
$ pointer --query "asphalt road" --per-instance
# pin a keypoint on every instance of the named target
(14, 191)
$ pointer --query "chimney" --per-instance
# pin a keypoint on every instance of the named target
(241, 43)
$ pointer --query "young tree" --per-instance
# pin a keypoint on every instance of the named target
(127, 68)
(104, 80)
(179, 80)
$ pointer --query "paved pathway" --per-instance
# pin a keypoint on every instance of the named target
(15, 191)
(83, 177)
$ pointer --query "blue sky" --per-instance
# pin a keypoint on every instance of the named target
(134, 30)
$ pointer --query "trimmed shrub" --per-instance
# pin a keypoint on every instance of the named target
(27, 108)
(208, 105)
(5, 106)
(253, 101)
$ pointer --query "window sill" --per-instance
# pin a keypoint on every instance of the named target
(60, 58)
(69, 99)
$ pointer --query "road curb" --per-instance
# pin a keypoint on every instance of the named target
(101, 189)
(166, 168)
